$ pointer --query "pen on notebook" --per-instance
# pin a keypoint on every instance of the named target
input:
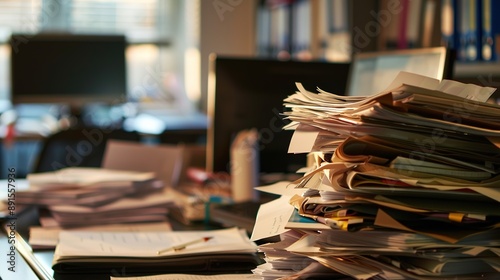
(184, 245)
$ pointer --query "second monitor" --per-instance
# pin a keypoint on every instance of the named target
(372, 72)
(247, 93)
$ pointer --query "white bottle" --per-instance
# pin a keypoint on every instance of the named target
(245, 166)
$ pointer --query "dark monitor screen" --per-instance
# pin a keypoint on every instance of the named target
(70, 69)
(247, 93)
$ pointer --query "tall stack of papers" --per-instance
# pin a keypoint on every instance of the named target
(405, 183)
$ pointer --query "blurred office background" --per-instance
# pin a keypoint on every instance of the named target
(169, 41)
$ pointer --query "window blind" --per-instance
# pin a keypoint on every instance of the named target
(19, 16)
(139, 20)
(147, 25)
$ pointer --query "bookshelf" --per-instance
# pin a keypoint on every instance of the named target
(337, 28)
(370, 26)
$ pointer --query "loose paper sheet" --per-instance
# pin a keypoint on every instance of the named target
(282, 188)
(272, 218)
(302, 141)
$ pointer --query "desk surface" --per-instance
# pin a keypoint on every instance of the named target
(18, 267)
(44, 257)
(21, 267)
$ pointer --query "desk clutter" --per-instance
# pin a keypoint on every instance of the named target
(116, 217)
(404, 185)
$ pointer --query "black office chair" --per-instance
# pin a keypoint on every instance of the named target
(78, 147)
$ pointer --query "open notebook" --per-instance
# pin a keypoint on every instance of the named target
(215, 251)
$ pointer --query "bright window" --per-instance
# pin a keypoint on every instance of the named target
(146, 24)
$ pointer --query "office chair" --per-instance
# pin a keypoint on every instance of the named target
(78, 147)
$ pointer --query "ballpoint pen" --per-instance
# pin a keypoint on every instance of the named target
(183, 245)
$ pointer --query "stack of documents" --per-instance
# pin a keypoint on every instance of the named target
(85, 186)
(212, 251)
(148, 208)
(405, 184)
(76, 197)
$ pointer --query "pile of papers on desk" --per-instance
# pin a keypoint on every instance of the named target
(94, 196)
(207, 251)
(122, 195)
(85, 186)
(405, 184)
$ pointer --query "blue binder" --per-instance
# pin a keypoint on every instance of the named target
(490, 23)
(469, 31)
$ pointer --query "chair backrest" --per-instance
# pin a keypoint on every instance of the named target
(82, 147)
(165, 160)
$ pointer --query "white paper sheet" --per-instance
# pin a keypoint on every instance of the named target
(272, 218)
(302, 141)
(282, 188)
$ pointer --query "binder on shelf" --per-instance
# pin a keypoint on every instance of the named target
(390, 26)
(301, 29)
(402, 39)
(449, 23)
(281, 17)
(468, 30)
(339, 38)
(430, 14)
(401, 26)
(414, 23)
(490, 25)
(263, 29)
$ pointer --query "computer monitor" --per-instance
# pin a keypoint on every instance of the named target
(372, 72)
(69, 69)
(247, 93)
